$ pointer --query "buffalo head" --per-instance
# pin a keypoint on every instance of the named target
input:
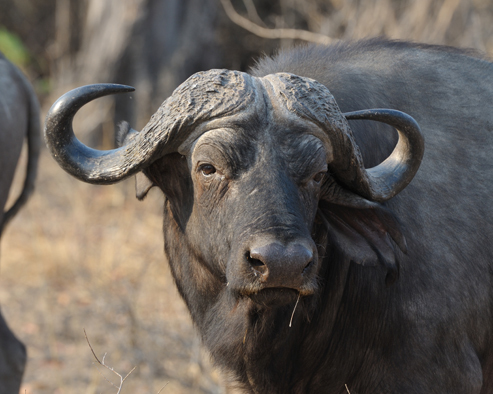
(251, 169)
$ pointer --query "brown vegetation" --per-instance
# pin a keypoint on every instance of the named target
(90, 257)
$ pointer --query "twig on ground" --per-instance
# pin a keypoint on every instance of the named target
(162, 388)
(293, 34)
(122, 379)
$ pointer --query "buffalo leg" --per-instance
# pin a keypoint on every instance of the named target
(12, 359)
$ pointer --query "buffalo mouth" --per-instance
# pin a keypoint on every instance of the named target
(276, 296)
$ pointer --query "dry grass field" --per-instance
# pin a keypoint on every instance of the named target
(90, 257)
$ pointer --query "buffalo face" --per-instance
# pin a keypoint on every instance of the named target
(256, 183)
(251, 168)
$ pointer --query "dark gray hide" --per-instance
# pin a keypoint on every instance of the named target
(19, 120)
(252, 220)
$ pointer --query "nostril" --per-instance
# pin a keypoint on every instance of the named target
(253, 261)
(307, 267)
(256, 264)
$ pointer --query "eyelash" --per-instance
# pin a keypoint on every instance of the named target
(207, 169)
(319, 176)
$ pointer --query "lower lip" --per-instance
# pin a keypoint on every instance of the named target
(277, 296)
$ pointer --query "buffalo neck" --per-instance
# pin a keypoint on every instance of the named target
(263, 346)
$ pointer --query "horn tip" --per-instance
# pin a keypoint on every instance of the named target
(77, 97)
(123, 88)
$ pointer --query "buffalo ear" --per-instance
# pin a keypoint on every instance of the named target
(142, 185)
(368, 236)
(171, 174)
(124, 135)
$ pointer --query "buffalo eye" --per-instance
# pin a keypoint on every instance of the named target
(207, 169)
(319, 176)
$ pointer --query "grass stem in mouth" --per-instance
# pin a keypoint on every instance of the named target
(295, 305)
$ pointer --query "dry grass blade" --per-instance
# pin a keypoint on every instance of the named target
(122, 379)
(295, 305)
(293, 34)
(347, 389)
(161, 389)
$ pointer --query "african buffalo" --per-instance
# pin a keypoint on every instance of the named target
(19, 114)
(307, 258)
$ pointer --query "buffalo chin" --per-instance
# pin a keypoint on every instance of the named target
(274, 297)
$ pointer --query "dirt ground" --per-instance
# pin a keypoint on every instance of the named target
(89, 257)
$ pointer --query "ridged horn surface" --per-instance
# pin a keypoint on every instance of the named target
(311, 100)
(203, 96)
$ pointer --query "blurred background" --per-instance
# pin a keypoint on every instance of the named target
(90, 257)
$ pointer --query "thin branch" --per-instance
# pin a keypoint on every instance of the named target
(293, 34)
(252, 13)
(105, 378)
(122, 379)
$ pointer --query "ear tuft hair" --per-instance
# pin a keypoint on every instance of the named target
(122, 132)
(142, 185)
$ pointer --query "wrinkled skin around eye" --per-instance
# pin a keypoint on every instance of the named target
(250, 188)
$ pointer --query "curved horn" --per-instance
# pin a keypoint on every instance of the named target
(201, 97)
(313, 101)
(394, 173)
(87, 164)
